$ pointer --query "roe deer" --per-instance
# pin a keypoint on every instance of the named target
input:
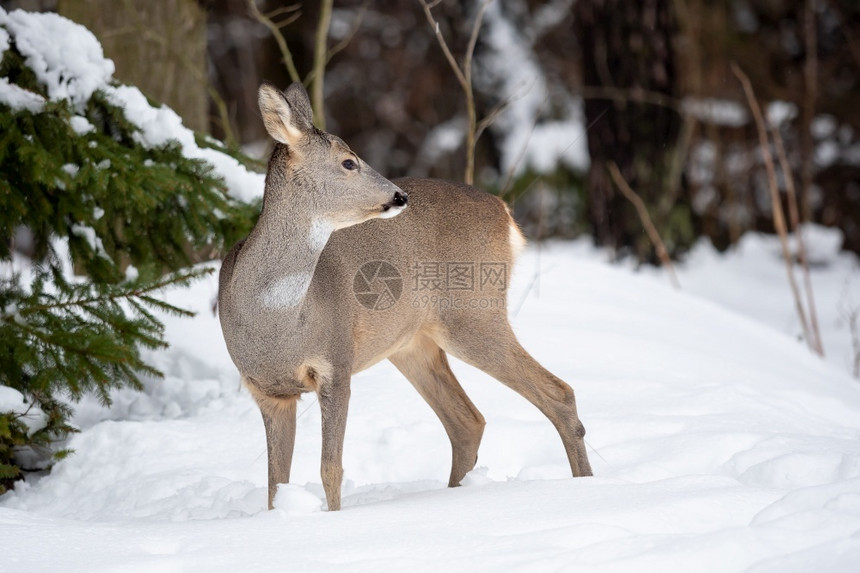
(300, 313)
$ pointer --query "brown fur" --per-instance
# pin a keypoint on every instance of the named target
(316, 341)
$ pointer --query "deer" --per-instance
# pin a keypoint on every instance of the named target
(296, 296)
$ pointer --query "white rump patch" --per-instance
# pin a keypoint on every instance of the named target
(287, 291)
(392, 212)
(321, 230)
(518, 242)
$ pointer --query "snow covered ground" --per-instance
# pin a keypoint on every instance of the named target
(719, 443)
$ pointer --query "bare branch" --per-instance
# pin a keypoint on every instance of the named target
(353, 29)
(810, 94)
(642, 210)
(356, 24)
(621, 95)
(853, 320)
(464, 76)
(847, 33)
(320, 60)
(279, 38)
(509, 177)
(443, 44)
(473, 40)
(491, 117)
(778, 215)
(794, 217)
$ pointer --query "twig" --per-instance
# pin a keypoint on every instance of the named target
(847, 33)
(353, 29)
(134, 293)
(317, 95)
(275, 29)
(509, 177)
(340, 46)
(464, 76)
(794, 217)
(778, 215)
(853, 319)
(626, 95)
(631, 195)
(504, 192)
(810, 94)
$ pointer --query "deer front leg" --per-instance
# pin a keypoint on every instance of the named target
(279, 418)
(334, 402)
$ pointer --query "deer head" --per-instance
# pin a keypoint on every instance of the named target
(314, 173)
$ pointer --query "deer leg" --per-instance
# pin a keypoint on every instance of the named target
(279, 418)
(425, 365)
(493, 348)
(334, 402)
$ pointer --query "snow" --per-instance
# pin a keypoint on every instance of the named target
(721, 112)
(719, 443)
(823, 126)
(66, 57)
(756, 266)
(4, 41)
(526, 141)
(160, 125)
(81, 125)
(68, 60)
(559, 141)
(91, 237)
(18, 98)
(12, 401)
(779, 112)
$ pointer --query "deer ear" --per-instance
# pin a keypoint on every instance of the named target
(299, 102)
(279, 117)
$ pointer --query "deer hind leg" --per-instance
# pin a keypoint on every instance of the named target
(279, 419)
(488, 343)
(425, 365)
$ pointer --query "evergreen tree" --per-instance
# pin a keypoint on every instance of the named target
(101, 222)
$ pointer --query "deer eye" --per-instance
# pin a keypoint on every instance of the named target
(349, 164)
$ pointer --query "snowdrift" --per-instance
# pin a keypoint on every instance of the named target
(718, 444)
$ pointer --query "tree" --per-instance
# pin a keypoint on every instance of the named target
(98, 214)
(627, 51)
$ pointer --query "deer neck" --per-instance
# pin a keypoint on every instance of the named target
(279, 258)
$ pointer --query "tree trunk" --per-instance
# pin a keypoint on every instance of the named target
(628, 47)
(157, 45)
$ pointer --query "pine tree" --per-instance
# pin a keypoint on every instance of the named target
(104, 222)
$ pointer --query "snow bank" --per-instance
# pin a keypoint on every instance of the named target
(718, 444)
(68, 60)
(751, 280)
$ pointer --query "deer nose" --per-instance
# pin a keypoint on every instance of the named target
(400, 198)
